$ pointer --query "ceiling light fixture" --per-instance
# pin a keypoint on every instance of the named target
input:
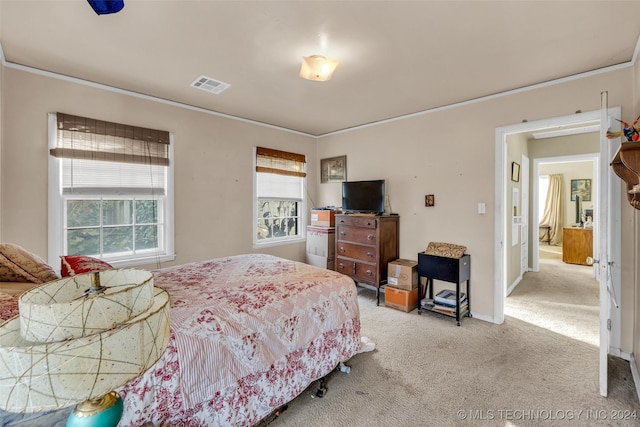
(318, 68)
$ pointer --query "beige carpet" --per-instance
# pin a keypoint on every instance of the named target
(539, 368)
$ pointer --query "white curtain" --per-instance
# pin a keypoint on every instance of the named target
(553, 210)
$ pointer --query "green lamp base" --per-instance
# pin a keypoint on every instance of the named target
(103, 412)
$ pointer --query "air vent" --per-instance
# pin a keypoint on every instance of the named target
(210, 85)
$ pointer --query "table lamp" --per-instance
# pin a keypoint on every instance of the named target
(77, 339)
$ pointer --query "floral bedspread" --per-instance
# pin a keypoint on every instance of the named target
(8, 306)
(248, 334)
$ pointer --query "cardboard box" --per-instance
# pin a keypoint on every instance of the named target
(403, 274)
(400, 299)
(321, 261)
(323, 217)
(321, 241)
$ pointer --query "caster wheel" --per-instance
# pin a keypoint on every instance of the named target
(321, 392)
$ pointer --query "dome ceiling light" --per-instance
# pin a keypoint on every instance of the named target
(318, 68)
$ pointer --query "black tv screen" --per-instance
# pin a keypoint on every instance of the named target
(363, 196)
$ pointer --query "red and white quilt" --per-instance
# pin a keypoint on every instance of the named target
(248, 334)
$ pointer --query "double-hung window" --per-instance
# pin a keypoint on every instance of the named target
(110, 191)
(280, 178)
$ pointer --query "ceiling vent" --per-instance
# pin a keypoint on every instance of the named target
(210, 85)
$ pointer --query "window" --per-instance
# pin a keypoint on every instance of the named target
(543, 189)
(110, 191)
(279, 198)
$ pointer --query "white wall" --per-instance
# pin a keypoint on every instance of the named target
(450, 153)
(1, 133)
(631, 253)
(213, 164)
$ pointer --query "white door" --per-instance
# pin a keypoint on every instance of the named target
(606, 249)
(524, 229)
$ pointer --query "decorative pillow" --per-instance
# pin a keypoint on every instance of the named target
(448, 250)
(19, 265)
(80, 264)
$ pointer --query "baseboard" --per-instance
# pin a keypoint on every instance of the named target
(635, 374)
(483, 317)
(514, 285)
(619, 353)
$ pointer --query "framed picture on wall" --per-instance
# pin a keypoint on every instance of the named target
(582, 188)
(333, 169)
(515, 171)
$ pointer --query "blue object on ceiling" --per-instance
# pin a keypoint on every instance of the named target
(102, 7)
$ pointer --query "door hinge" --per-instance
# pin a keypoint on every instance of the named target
(608, 324)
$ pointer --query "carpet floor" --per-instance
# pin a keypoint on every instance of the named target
(539, 368)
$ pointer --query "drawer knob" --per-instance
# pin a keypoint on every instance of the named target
(370, 237)
(342, 249)
(342, 233)
(369, 273)
(370, 254)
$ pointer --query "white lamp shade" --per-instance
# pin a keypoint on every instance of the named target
(39, 376)
(317, 67)
(58, 310)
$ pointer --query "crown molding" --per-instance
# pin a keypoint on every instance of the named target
(586, 74)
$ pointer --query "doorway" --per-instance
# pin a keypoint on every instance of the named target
(567, 165)
(560, 294)
(607, 246)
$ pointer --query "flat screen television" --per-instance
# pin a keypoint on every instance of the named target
(363, 196)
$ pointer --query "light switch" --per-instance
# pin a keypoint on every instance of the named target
(482, 208)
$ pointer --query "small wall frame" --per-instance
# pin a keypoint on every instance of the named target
(582, 188)
(333, 169)
(515, 172)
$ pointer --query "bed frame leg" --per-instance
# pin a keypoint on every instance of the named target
(322, 387)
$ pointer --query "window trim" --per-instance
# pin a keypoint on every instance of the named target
(281, 241)
(56, 210)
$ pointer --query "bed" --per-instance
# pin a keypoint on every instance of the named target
(249, 333)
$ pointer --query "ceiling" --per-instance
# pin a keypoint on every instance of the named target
(396, 57)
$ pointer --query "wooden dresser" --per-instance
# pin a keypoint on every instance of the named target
(577, 245)
(365, 245)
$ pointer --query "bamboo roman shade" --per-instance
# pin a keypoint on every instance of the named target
(280, 162)
(90, 139)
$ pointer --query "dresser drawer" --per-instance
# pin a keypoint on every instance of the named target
(365, 236)
(351, 250)
(359, 271)
(356, 221)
